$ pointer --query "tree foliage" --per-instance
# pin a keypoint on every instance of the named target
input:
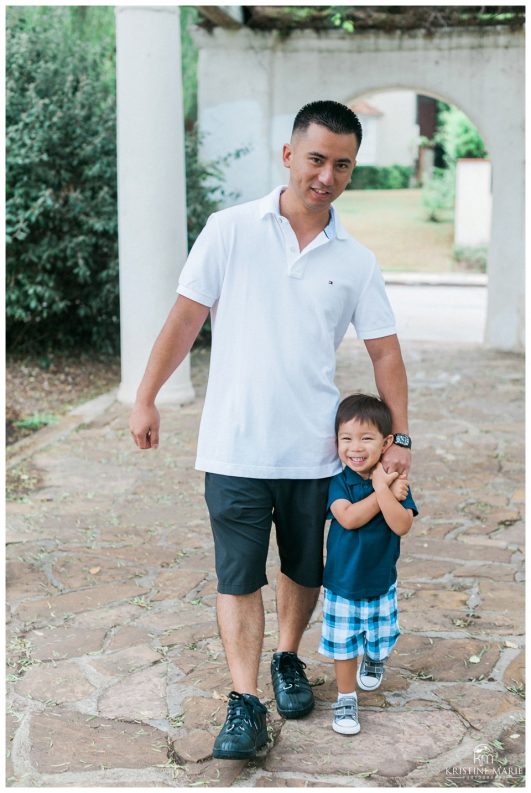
(61, 214)
(61, 224)
(458, 137)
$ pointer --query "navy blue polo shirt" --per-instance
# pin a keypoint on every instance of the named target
(360, 563)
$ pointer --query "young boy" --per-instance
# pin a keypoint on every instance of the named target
(370, 511)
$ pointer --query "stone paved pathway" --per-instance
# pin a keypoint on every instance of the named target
(116, 673)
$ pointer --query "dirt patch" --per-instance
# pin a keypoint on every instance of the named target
(39, 390)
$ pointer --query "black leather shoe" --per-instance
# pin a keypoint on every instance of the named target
(293, 693)
(245, 729)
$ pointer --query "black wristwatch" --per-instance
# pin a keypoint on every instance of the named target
(402, 440)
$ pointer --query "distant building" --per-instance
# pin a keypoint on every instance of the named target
(390, 128)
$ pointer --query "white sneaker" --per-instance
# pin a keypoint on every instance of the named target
(345, 718)
(370, 673)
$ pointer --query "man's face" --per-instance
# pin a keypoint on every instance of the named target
(320, 164)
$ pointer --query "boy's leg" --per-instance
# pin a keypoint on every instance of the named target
(382, 631)
(346, 675)
(345, 719)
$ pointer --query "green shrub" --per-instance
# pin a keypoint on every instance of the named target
(61, 215)
(458, 137)
(438, 194)
(371, 177)
(472, 259)
(61, 224)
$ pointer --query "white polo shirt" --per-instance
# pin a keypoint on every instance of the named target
(278, 316)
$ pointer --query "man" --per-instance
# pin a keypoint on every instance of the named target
(282, 280)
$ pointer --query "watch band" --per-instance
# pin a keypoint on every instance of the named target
(401, 439)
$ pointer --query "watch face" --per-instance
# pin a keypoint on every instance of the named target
(402, 440)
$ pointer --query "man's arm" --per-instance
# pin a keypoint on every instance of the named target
(391, 382)
(171, 347)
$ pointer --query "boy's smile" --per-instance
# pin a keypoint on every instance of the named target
(361, 445)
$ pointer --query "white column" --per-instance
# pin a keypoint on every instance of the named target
(151, 188)
(473, 203)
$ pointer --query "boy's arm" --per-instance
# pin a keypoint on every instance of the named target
(355, 515)
(398, 518)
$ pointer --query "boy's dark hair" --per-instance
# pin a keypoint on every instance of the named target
(365, 408)
(334, 116)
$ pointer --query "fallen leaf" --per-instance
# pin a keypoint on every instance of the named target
(94, 570)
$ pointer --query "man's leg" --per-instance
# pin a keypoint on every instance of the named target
(241, 626)
(295, 605)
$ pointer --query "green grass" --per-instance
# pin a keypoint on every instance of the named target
(393, 224)
(36, 422)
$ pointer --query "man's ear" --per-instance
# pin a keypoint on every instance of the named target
(287, 151)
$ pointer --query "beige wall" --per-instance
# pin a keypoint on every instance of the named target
(252, 83)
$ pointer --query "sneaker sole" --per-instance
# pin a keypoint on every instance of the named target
(296, 714)
(221, 754)
(346, 730)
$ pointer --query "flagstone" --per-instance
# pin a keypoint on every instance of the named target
(60, 642)
(141, 695)
(195, 747)
(515, 671)
(176, 584)
(125, 661)
(506, 598)
(444, 659)
(310, 745)
(58, 606)
(26, 580)
(59, 682)
(477, 703)
(65, 741)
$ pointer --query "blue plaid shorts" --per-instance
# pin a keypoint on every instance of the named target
(352, 627)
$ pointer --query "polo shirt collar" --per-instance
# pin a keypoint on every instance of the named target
(270, 205)
(353, 478)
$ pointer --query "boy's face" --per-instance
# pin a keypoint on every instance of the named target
(360, 446)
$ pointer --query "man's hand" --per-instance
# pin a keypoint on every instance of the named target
(144, 424)
(397, 458)
(381, 479)
(400, 487)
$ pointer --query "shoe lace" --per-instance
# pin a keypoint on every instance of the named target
(346, 708)
(238, 713)
(292, 669)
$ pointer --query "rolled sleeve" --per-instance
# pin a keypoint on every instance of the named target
(202, 276)
(336, 489)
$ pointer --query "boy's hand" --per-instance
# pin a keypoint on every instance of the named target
(399, 488)
(380, 479)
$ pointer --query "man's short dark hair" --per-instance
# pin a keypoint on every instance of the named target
(334, 116)
(366, 409)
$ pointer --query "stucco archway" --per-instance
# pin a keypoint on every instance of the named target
(251, 82)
